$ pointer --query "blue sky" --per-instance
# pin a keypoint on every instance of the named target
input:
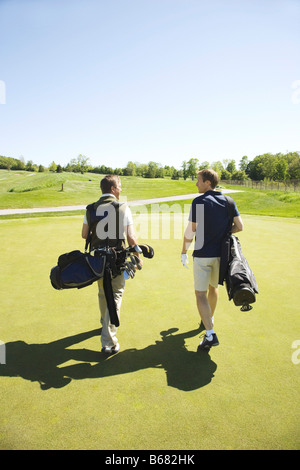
(142, 80)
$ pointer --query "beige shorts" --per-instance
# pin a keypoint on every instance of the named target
(206, 272)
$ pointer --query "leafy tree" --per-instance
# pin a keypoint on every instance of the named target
(53, 167)
(217, 167)
(80, 164)
(130, 169)
(30, 166)
(154, 170)
(175, 175)
(226, 175)
(294, 169)
(204, 165)
(169, 170)
(281, 169)
(184, 167)
(141, 169)
(244, 162)
(239, 175)
(9, 163)
(231, 166)
(192, 166)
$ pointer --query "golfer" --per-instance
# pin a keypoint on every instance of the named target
(208, 223)
(108, 223)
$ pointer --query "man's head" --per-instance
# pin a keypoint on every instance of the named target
(207, 180)
(111, 184)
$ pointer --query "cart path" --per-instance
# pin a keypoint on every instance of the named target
(140, 202)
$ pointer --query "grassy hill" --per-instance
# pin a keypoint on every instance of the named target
(22, 189)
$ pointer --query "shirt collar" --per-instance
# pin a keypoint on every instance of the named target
(108, 194)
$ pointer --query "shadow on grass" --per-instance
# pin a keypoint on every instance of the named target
(185, 370)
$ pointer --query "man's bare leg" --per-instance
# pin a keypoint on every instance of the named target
(213, 295)
(204, 309)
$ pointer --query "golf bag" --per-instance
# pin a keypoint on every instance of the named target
(77, 270)
(240, 281)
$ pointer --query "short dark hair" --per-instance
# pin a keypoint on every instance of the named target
(210, 175)
(107, 182)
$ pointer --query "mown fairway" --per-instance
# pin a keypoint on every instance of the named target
(57, 392)
(23, 189)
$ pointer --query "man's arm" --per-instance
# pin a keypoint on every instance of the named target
(130, 235)
(132, 239)
(85, 231)
(237, 225)
(188, 236)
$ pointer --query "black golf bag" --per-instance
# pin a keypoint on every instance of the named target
(240, 281)
(235, 271)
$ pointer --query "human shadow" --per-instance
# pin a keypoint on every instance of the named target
(43, 363)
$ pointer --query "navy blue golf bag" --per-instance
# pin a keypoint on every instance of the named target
(77, 270)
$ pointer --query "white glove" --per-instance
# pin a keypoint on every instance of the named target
(185, 260)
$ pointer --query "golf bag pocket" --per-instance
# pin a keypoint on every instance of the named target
(77, 270)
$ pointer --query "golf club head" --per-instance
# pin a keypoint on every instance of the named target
(136, 261)
(147, 251)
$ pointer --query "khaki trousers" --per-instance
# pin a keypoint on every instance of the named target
(109, 331)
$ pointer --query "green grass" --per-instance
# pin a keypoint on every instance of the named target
(27, 190)
(24, 190)
(157, 392)
(274, 203)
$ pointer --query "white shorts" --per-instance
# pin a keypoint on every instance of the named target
(206, 272)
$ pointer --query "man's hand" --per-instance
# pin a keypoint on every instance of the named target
(185, 260)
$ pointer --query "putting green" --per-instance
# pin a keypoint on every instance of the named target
(57, 392)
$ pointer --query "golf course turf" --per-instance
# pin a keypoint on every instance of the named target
(58, 392)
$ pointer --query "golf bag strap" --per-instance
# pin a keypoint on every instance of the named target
(89, 236)
(230, 210)
(87, 242)
(226, 242)
(109, 295)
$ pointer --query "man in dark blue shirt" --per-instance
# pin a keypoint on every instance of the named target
(208, 223)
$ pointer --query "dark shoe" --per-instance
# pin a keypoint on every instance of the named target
(113, 350)
(205, 344)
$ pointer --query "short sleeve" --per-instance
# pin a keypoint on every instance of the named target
(236, 212)
(193, 212)
(128, 220)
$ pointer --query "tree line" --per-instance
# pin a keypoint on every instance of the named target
(273, 167)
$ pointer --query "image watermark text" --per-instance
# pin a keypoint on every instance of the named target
(2, 353)
(2, 92)
(296, 353)
(296, 93)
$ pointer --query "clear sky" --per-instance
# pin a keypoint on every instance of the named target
(148, 80)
